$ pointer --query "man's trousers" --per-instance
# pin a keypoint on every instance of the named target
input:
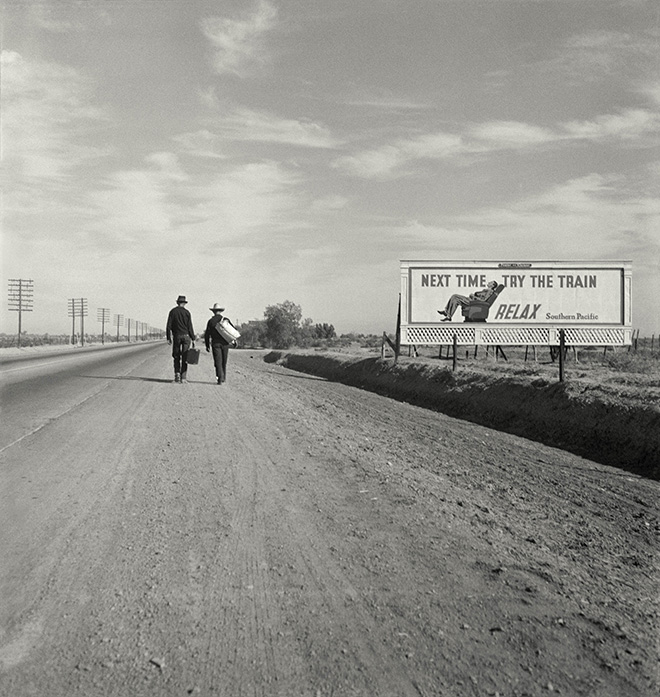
(180, 345)
(220, 354)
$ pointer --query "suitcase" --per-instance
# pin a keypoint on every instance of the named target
(226, 330)
(193, 356)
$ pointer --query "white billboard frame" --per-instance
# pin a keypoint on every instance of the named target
(607, 284)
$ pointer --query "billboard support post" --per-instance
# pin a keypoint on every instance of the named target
(455, 347)
(397, 338)
(562, 354)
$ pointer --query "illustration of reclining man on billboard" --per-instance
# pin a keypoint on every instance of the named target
(580, 293)
(474, 307)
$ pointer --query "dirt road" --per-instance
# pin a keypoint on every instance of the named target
(286, 536)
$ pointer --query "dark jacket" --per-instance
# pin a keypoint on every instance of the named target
(211, 336)
(482, 295)
(179, 321)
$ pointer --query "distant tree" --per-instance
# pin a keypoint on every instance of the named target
(325, 331)
(282, 324)
(253, 333)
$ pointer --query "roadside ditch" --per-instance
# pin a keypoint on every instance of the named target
(612, 424)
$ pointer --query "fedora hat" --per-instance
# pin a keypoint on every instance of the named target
(181, 299)
(217, 308)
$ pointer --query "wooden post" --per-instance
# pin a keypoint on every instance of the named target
(390, 343)
(455, 346)
(562, 348)
(397, 339)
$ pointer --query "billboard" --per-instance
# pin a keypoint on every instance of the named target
(521, 293)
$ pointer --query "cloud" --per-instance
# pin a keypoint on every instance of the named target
(582, 218)
(381, 163)
(168, 165)
(135, 203)
(638, 127)
(243, 199)
(378, 163)
(200, 143)
(138, 203)
(652, 92)
(629, 124)
(45, 107)
(248, 125)
(239, 43)
(329, 204)
(497, 135)
(604, 54)
(46, 17)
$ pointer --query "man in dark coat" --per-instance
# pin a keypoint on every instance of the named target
(217, 343)
(181, 335)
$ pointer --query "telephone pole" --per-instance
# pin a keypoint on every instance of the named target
(103, 316)
(78, 308)
(20, 299)
(119, 320)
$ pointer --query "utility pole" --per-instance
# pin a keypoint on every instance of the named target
(78, 308)
(119, 320)
(20, 299)
(83, 314)
(73, 307)
(103, 316)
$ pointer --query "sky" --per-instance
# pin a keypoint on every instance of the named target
(256, 151)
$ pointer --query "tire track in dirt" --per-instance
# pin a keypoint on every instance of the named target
(264, 516)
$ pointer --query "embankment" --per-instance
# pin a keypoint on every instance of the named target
(599, 422)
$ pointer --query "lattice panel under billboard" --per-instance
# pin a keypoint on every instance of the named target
(515, 336)
(594, 336)
(436, 336)
(497, 335)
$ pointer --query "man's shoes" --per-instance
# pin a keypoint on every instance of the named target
(177, 377)
(184, 377)
(442, 312)
(446, 319)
